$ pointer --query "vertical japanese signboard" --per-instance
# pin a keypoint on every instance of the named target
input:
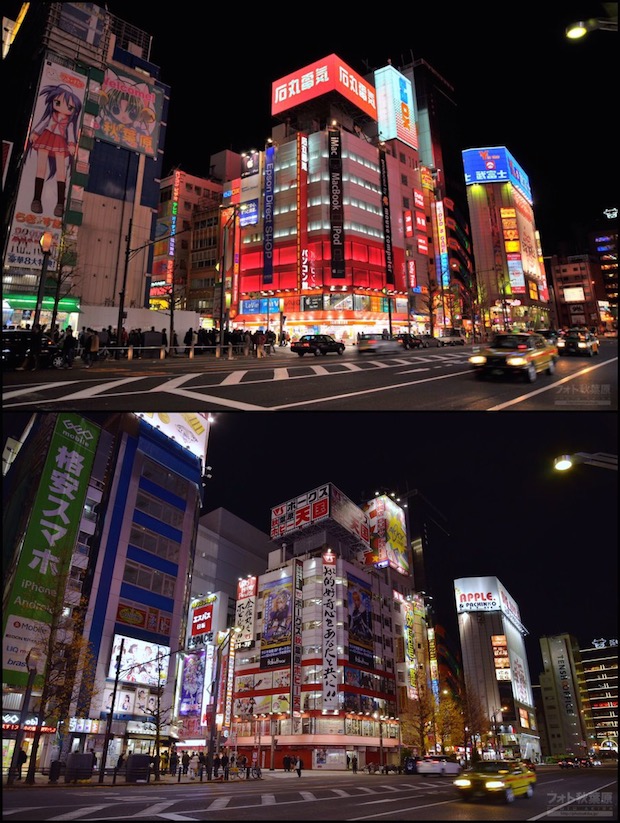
(48, 543)
(298, 582)
(245, 612)
(330, 645)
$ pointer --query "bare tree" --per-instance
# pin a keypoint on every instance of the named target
(431, 299)
(66, 276)
(69, 670)
(417, 720)
(161, 715)
(475, 721)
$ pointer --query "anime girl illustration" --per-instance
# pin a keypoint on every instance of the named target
(54, 139)
(126, 112)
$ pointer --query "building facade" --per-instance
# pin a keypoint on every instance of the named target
(495, 666)
(600, 681)
(579, 293)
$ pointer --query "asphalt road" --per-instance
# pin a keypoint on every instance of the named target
(318, 796)
(422, 379)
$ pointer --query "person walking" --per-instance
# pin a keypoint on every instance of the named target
(216, 766)
(185, 762)
(174, 763)
(194, 764)
(225, 764)
(94, 346)
(354, 763)
(299, 764)
(22, 757)
(286, 762)
(68, 347)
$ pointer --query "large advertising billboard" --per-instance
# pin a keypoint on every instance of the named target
(141, 661)
(277, 624)
(327, 75)
(359, 606)
(188, 429)
(48, 544)
(129, 112)
(395, 106)
(51, 151)
(495, 165)
(388, 535)
(476, 594)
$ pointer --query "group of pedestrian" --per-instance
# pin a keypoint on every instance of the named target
(293, 762)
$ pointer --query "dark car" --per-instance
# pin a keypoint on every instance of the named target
(569, 763)
(16, 344)
(317, 344)
(409, 341)
(511, 353)
(578, 341)
(549, 334)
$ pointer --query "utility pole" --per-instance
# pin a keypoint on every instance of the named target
(108, 728)
(121, 302)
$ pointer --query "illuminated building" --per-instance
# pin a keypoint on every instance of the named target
(600, 682)
(101, 210)
(579, 292)
(568, 719)
(128, 537)
(603, 245)
(495, 666)
(512, 287)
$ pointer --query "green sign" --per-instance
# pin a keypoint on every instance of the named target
(48, 543)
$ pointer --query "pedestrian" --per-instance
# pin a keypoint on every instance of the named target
(216, 765)
(120, 763)
(86, 340)
(164, 341)
(174, 763)
(194, 764)
(185, 762)
(94, 756)
(354, 763)
(34, 353)
(286, 762)
(22, 757)
(225, 764)
(299, 764)
(165, 760)
(68, 347)
(209, 766)
(189, 334)
(94, 347)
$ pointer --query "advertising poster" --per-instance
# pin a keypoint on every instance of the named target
(139, 661)
(48, 543)
(129, 113)
(192, 684)
(359, 602)
(50, 154)
(277, 624)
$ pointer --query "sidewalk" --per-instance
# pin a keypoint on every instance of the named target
(167, 779)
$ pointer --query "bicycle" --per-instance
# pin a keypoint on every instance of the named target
(236, 774)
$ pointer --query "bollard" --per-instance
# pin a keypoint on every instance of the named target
(162, 353)
(129, 352)
(230, 352)
(201, 771)
(180, 770)
(191, 352)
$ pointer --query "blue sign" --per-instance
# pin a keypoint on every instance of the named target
(495, 165)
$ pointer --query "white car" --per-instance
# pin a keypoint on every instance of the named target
(439, 765)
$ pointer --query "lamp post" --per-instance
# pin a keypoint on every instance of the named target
(108, 727)
(582, 27)
(32, 660)
(46, 244)
(274, 741)
(600, 459)
(379, 717)
(224, 246)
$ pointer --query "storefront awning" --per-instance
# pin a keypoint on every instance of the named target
(29, 301)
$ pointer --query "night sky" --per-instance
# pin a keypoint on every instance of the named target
(550, 538)
(518, 83)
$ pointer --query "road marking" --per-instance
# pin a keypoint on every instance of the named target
(23, 810)
(155, 808)
(320, 370)
(232, 378)
(308, 795)
(219, 803)
(280, 374)
(268, 799)
(78, 813)
(412, 371)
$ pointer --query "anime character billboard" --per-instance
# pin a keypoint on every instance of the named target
(50, 154)
(129, 113)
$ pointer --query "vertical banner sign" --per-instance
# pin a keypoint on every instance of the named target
(298, 582)
(330, 648)
(434, 667)
(192, 684)
(268, 207)
(245, 612)
(336, 205)
(305, 278)
(230, 680)
(387, 223)
(410, 656)
(48, 543)
(207, 694)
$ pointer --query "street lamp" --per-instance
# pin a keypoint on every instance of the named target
(497, 737)
(582, 27)
(379, 717)
(600, 459)
(32, 660)
(46, 244)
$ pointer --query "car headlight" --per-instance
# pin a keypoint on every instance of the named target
(561, 344)
(582, 345)
(478, 360)
(516, 361)
(495, 784)
(462, 783)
